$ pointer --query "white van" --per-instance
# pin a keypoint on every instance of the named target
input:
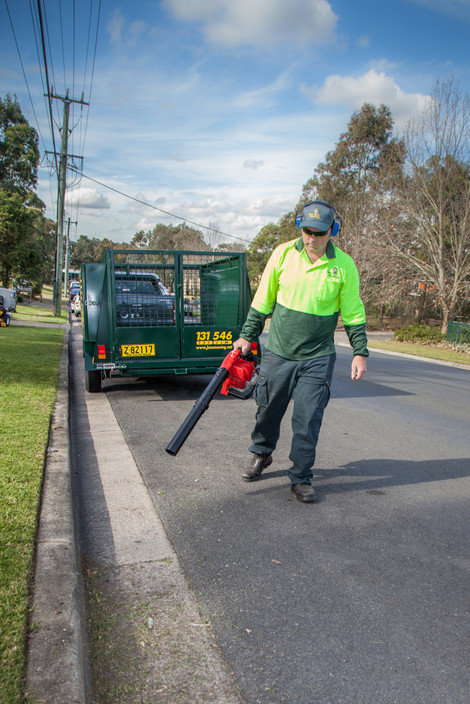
(9, 298)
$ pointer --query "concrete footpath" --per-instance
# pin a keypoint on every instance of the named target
(96, 509)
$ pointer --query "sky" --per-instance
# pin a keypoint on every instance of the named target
(214, 112)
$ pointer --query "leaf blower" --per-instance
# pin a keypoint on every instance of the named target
(235, 376)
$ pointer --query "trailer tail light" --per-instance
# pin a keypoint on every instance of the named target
(101, 351)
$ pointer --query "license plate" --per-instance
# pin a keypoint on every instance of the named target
(138, 350)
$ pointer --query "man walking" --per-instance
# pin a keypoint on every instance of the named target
(306, 284)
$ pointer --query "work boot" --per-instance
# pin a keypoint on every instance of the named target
(256, 466)
(304, 493)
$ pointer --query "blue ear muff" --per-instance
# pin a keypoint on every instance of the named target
(337, 225)
(297, 220)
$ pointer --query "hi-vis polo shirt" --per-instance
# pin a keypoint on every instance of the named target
(305, 299)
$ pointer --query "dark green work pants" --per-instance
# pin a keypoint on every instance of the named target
(308, 383)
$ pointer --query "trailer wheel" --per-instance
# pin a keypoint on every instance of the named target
(93, 381)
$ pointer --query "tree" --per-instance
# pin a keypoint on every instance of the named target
(25, 234)
(43, 243)
(19, 153)
(359, 178)
(171, 237)
(140, 239)
(231, 247)
(433, 232)
(260, 250)
(85, 249)
(264, 243)
(16, 225)
(213, 236)
(362, 167)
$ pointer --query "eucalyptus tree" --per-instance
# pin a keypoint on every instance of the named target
(26, 245)
(19, 152)
(262, 246)
(359, 172)
(359, 177)
(432, 234)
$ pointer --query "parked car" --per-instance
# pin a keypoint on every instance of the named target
(75, 305)
(9, 298)
(142, 299)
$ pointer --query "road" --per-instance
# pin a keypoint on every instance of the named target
(362, 597)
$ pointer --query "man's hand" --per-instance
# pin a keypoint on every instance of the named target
(358, 367)
(243, 345)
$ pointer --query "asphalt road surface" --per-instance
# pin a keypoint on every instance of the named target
(361, 598)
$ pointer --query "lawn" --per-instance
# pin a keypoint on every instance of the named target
(42, 311)
(39, 314)
(29, 360)
(416, 349)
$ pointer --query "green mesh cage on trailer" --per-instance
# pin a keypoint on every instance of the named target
(162, 312)
(458, 332)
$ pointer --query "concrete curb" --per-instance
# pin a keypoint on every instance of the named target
(57, 668)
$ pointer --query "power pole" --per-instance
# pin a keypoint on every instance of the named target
(62, 185)
(67, 257)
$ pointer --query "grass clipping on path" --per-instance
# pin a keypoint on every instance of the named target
(29, 363)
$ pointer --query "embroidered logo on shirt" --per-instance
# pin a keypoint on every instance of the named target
(334, 274)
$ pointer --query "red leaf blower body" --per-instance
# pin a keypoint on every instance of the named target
(234, 375)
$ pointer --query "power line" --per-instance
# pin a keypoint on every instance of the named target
(49, 92)
(62, 40)
(154, 207)
(24, 72)
(93, 64)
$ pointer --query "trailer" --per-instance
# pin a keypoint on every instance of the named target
(149, 312)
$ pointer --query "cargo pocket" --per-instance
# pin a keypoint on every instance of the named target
(261, 391)
(324, 397)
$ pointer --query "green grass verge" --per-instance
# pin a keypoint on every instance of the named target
(29, 360)
(39, 314)
(42, 311)
(429, 351)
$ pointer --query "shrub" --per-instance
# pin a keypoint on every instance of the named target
(458, 346)
(419, 333)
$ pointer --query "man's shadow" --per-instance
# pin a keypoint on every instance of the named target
(376, 475)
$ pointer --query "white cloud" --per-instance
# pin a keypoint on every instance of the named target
(252, 164)
(87, 198)
(266, 95)
(236, 212)
(371, 87)
(115, 26)
(122, 32)
(259, 22)
(456, 8)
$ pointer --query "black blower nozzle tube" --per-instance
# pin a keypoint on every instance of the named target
(198, 409)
